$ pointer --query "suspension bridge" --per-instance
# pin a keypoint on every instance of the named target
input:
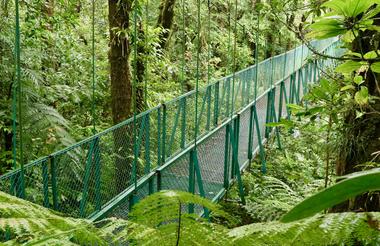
(199, 142)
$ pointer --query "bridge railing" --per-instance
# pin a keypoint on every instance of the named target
(105, 174)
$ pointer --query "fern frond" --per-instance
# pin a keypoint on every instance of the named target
(166, 212)
(329, 229)
(24, 222)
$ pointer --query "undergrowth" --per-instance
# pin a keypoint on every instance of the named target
(293, 173)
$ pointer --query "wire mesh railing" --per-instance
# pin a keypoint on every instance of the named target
(95, 177)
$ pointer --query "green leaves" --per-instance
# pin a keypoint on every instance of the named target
(349, 8)
(375, 67)
(327, 28)
(371, 55)
(282, 123)
(362, 96)
(358, 80)
(355, 184)
(348, 67)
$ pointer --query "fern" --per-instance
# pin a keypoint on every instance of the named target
(330, 229)
(166, 212)
(155, 221)
(24, 222)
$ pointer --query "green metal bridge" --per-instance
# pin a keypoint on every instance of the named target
(104, 175)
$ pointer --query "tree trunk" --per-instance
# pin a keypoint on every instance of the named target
(165, 20)
(121, 88)
(140, 69)
(361, 137)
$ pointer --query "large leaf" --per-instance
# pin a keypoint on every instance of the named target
(376, 67)
(327, 28)
(362, 96)
(348, 67)
(349, 8)
(355, 184)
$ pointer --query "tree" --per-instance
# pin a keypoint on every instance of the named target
(165, 20)
(358, 23)
(121, 87)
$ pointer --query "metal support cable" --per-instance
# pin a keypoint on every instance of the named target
(257, 54)
(93, 70)
(234, 59)
(183, 48)
(197, 71)
(146, 38)
(19, 97)
(208, 42)
(134, 98)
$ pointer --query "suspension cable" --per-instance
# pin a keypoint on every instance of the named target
(197, 71)
(183, 63)
(234, 59)
(93, 70)
(146, 54)
(257, 54)
(134, 98)
(14, 107)
(208, 42)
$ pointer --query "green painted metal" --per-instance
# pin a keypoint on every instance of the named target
(183, 123)
(208, 121)
(86, 180)
(97, 164)
(20, 183)
(261, 146)
(216, 103)
(54, 186)
(159, 140)
(268, 113)
(147, 146)
(280, 104)
(173, 131)
(191, 188)
(274, 119)
(163, 144)
(250, 136)
(227, 157)
(93, 113)
(45, 181)
(199, 177)
(235, 170)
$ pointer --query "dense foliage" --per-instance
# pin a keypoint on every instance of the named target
(334, 132)
(153, 221)
(56, 60)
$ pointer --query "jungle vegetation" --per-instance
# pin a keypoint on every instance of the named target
(321, 188)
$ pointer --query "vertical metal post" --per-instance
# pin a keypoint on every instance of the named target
(268, 116)
(250, 136)
(208, 122)
(280, 106)
(147, 144)
(183, 123)
(45, 181)
(54, 187)
(86, 180)
(216, 103)
(261, 147)
(191, 187)
(97, 175)
(159, 180)
(228, 96)
(159, 147)
(227, 156)
(150, 186)
(163, 146)
(198, 174)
